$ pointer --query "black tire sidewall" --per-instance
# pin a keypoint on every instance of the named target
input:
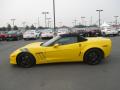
(32, 60)
(99, 53)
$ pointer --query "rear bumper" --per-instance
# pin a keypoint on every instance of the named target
(29, 37)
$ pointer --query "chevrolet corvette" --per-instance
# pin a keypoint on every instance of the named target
(63, 48)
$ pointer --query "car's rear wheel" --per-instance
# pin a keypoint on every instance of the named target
(93, 56)
(25, 60)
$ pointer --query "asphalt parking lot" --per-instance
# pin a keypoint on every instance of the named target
(65, 76)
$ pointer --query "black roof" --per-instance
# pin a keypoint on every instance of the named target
(70, 35)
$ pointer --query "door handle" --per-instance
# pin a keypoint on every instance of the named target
(80, 45)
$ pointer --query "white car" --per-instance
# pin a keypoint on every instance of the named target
(62, 31)
(119, 32)
(109, 31)
(47, 33)
(31, 34)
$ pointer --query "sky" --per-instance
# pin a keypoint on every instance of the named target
(66, 11)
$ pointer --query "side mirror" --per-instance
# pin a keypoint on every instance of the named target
(56, 45)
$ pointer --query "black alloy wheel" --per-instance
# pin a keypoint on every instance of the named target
(25, 60)
(93, 56)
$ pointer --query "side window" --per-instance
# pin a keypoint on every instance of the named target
(67, 40)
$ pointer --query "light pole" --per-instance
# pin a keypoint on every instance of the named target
(99, 11)
(116, 21)
(54, 18)
(45, 13)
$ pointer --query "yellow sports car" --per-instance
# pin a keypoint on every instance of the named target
(63, 48)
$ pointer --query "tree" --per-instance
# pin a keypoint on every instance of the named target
(80, 26)
(3, 28)
(32, 27)
(40, 27)
(8, 27)
(27, 27)
(93, 25)
(15, 28)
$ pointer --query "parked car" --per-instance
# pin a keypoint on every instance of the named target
(14, 35)
(119, 32)
(2, 35)
(47, 33)
(31, 34)
(63, 48)
(92, 33)
(62, 31)
(109, 31)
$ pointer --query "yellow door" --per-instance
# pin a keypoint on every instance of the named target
(63, 53)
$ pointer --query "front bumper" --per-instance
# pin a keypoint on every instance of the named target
(13, 60)
(13, 56)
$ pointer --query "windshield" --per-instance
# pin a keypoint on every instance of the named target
(48, 43)
(11, 32)
(47, 31)
(62, 30)
(30, 31)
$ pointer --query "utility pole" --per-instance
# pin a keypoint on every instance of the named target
(75, 21)
(83, 22)
(60, 24)
(45, 13)
(48, 20)
(91, 21)
(116, 21)
(54, 17)
(49, 24)
(24, 24)
(99, 11)
(35, 24)
(13, 22)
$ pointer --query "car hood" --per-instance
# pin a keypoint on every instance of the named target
(25, 48)
(35, 44)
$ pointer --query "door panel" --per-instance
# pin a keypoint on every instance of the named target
(63, 53)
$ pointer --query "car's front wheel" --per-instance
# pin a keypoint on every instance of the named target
(25, 60)
(93, 56)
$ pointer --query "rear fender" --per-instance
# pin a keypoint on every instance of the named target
(85, 49)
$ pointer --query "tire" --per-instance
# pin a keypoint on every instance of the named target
(93, 56)
(25, 60)
(103, 34)
(118, 33)
(25, 39)
(17, 38)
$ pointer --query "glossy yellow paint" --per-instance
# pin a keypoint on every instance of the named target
(63, 53)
